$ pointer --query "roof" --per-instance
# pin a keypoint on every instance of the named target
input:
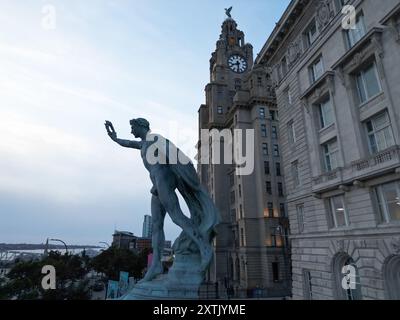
(282, 26)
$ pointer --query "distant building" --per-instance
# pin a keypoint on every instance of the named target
(147, 227)
(124, 240)
(143, 243)
(127, 240)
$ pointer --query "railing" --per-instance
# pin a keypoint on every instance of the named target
(358, 169)
(377, 159)
(212, 292)
(328, 176)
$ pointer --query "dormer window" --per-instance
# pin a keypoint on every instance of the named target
(220, 110)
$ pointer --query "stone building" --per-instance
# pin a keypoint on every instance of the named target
(250, 248)
(338, 94)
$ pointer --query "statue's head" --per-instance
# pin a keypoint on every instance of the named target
(140, 127)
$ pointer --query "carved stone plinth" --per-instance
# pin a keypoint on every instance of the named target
(182, 282)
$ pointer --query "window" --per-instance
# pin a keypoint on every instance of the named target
(316, 70)
(241, 211)
(300, 217)
(379, 131)
(278, 169)
(276, 150)
(220, 110)
(284, 67)
(242, 237)
(289, 96)
(276, 239)
(355, 35)
(275, 271)
(240, 190)
(238, 84)
(368, 84)
(325, 112)
(307, 285)
(282, 210)
(270, 209)
(331, 152)
(338, 211)
(273, 115)
(264, 130)
(280, 189)
(233, 215)
(388, 196)
(262, 112)
(291, 132)
(265, 149)
(259, 81)
(268, 187)
(266, 167)
(231, 180)
(295, 174)
(274, 132)
(232, 196)
(311, 33)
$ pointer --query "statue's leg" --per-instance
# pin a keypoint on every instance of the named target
(158, 239)
(166, 191)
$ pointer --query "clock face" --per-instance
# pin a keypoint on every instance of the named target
(237, 63)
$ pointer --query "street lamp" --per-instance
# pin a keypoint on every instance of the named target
(66, 248)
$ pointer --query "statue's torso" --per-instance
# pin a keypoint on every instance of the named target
(153, 168)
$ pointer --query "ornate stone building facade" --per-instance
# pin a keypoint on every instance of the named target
(250, 248)
(338, 96)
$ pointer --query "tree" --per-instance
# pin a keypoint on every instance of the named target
(113, 260)
(25, 279)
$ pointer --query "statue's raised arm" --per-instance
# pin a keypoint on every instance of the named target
(124, 143)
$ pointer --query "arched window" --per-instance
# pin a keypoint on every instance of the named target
(391, 275)
(345, 290)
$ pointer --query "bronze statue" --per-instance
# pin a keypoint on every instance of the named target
(169, 170)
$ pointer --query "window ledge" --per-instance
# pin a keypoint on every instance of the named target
(367, 102)
(391, 224)
(342, 228)
(364, 41)
(325, 129)
(328, 75)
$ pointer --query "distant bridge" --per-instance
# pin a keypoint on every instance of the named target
(10, 256)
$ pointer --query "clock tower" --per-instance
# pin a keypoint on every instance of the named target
(240, 96)
(230, 63)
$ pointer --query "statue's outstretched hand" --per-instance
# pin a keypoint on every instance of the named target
(110, 130)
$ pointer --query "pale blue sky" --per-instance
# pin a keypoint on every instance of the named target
(60, 175)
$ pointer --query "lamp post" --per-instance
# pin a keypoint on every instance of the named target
(66, 247)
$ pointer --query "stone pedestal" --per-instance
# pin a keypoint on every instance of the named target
(182, 282)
